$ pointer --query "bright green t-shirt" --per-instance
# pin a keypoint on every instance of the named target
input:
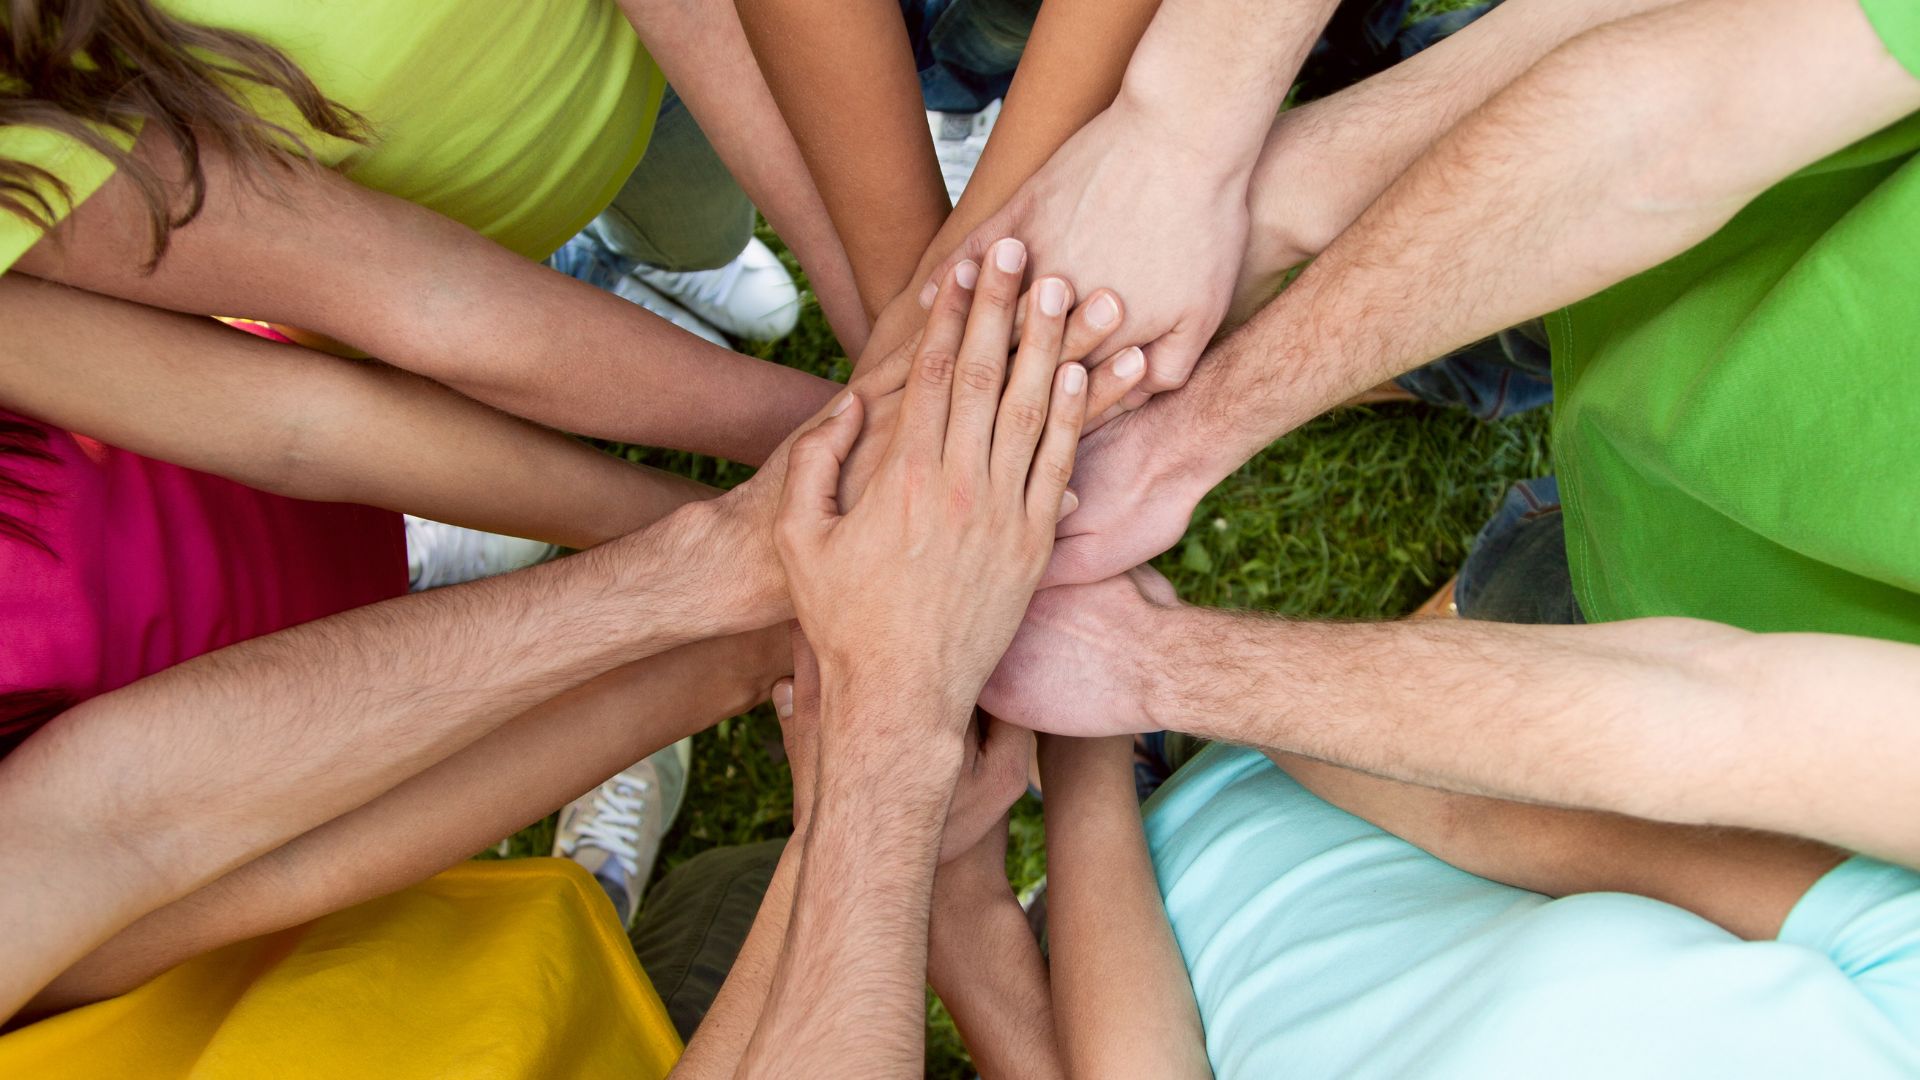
(1737, 431)
(520, 120)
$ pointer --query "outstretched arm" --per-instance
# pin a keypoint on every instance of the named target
(1624, 147)
(307, 424)
(704, 54)
(430, 295)
(1672, 720)
(1120, 985)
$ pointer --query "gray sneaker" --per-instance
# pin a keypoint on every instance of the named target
(958, 140)
(615, 829)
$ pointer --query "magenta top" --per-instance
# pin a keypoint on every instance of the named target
(114, 566)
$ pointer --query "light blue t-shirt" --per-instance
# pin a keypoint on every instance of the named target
(1319, 945)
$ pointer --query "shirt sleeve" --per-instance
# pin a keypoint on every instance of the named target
(1865, 916)
(80, 167)
(1898, 24)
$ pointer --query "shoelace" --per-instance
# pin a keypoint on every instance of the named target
(614, 825)
(704, 286)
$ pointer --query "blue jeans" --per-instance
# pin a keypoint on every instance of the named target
(1517, 570)
(1505, 374)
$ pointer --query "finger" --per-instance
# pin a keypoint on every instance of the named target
(922, 430)
(889, 373)
(783, 699)
(1053, 464)
(973, 249)
(982, 368)
(808, 506)
(1154, 586)
(1023, 408)
(1169, 361)
(1096, 319)
(1111, 381)
(806, 675)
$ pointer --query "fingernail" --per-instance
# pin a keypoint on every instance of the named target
(1069, 502)
(1053, 296)
(1009, 254)
(1130, 362)
(846, 399)
(1075, 380)
(783, 699)
(966, 274)
(927, 294)
(1102, 313)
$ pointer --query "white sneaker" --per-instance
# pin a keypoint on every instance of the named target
(631, 288)
(615, 829)
(441, 554)
(958, 139)
(752, 297)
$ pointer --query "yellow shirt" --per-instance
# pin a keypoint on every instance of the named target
(510, 970)
(518, 119)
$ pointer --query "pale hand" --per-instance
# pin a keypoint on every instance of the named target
(1074, 667)
(1127, 204)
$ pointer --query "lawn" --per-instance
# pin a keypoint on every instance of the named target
(1359, 515)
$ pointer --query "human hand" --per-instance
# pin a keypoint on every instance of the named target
(922, 584)
(796, 702)
(1074, 668)
(1131, 205)
(1106, 386)
(992, 779)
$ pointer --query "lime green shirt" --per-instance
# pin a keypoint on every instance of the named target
(1737, 431)
(520, 120)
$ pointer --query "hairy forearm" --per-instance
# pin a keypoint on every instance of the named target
(1743, 880)
(1325, 162)
(309, 425)
(213, 762)
(984, 963)
(532, 765)
(843, 76)
(704, 53)
(1667, 719)
(1120, 988)
(850, 985)
(1624, 147)
(427, 294)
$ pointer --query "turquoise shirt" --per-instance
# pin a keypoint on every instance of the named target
(1321, 946)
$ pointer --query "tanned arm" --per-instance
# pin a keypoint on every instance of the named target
(427, 294)
(307, 424)
(1120, 987)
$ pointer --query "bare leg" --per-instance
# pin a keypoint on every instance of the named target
(521, 772)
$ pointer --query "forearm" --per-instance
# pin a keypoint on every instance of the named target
(1326, 161)
(1124, 1004)
(532, 765)
(1212, 73)
(704, 53)
(1666, 719)
(844, 79)
(1745, 881)
(1624, 147)
(213, 762)
(308, 425)
(984, 963)
(429, 295)
(851, 978)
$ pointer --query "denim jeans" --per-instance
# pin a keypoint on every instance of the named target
(1517, 569)
(1505, 374)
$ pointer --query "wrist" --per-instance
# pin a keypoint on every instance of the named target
(902, 729)
(730, 542)
(1217, 149)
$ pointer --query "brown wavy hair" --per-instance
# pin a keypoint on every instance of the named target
(86, 67)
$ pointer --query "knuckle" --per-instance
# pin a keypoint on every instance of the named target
(1023, 417)
(1054, 471)
(935, 366)
(979, 373)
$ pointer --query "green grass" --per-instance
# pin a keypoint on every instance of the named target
(1360, 514)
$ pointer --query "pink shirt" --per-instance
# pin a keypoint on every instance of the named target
(146, 564)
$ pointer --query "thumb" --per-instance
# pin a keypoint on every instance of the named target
(808, 504)
(973, 247)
